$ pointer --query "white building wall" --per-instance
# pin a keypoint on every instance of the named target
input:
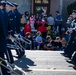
(54, 6)
(24, 5)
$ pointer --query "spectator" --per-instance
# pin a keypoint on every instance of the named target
(38, 41)
(50, 21)
(64, 43)
(27, 28)
(43, 29)
(58, 22)
(27, 15)
(49, 44)
(57, 43)
(23, 19)
(32, 22)
(28, 36)
(54, 35)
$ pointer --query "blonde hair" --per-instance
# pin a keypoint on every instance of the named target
(48, 37)
(57, 38)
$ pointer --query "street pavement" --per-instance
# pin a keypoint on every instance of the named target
(40, 62)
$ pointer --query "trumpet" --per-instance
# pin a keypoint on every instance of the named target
(12, 70)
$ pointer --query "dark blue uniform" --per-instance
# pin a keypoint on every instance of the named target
(17, 20)
(3, 42)
(12, 24)
(8, 51)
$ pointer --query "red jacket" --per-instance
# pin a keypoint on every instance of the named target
(42, 28)
(27, 28)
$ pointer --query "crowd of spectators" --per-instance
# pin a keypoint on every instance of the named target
(48, 35)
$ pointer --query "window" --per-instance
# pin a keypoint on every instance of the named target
(42, 1)
(45, 1)
(37, 1)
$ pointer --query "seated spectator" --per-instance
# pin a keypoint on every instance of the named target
(57, 43)
(49, 44)
(64, 43)
(54, 35)
(29, 39)
(38, 41)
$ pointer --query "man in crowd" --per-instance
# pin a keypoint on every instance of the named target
(50, 21)
(58, 22)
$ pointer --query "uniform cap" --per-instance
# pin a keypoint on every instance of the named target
(3, 2)
(9, 4)
(74, 12)
(15, 4)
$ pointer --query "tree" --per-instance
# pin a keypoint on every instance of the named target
(71, 7)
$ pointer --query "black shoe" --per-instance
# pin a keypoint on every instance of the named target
(63, 54)
(70, 61)
(74, 67)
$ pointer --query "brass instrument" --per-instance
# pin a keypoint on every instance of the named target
(12, 70)
(16, 43)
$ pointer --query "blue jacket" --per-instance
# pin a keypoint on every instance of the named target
(59, 17)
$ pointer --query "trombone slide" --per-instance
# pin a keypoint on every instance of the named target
(15, 68)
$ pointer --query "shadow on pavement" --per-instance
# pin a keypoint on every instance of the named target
(72, 64)
(24, 63)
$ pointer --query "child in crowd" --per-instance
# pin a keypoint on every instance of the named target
(38, 41)
(49, 43)
(29, 39)
(32, 22)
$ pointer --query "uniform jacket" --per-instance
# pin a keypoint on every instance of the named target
(3, 31)
(11, 18)
(17, 20)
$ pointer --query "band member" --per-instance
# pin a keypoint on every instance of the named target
(3, 41)
(10, 27)
(17, 17)
(20, 52)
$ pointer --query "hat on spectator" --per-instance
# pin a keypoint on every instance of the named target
(15, 4)
(9, 4)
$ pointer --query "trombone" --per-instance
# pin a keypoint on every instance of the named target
(11, 70)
